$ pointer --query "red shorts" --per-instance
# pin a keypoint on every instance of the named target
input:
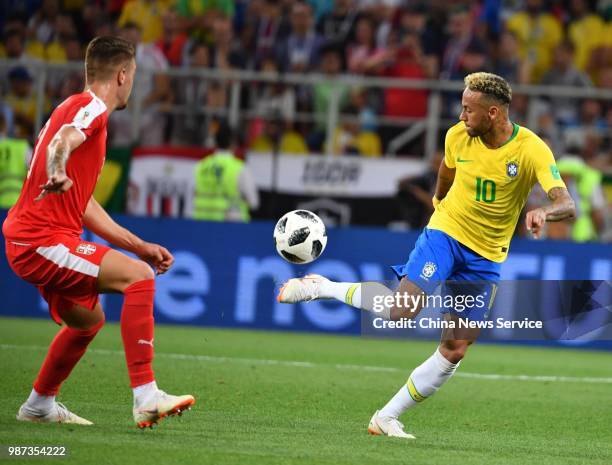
(64, 269)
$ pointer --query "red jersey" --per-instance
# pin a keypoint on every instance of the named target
(33, 221)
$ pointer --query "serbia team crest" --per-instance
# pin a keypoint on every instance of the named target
(512, 169)
(86, 249)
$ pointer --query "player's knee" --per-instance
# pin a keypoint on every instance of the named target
(96, 323)
(140, 271)
(405, 308)
(89, 321)
(454, 351)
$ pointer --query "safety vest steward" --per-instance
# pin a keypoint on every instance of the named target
(12, 170)
(217, 190)
(587, 179)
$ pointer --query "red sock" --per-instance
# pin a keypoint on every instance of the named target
(137, 331)
(65, 351)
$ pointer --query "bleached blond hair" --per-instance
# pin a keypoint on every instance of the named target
(491, 85)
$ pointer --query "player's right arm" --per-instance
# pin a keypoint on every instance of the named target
(65, 141)
(446, 172)
(446, 177)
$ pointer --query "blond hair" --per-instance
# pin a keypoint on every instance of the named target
(492, 85)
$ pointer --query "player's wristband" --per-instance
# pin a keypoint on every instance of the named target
(435, 202)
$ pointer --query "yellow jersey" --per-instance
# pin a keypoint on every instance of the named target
(490, 189)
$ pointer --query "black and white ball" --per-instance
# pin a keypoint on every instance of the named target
(300, 236)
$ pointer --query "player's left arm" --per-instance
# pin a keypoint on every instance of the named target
(562, 206)
(98, 221)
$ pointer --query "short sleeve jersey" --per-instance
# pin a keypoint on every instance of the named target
(491, 186)
(34, 221)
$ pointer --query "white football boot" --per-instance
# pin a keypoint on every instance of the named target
(387, 426)
(301, 289)
(58, 414)
(161, 405)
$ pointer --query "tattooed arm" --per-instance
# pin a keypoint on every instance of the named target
(561, 208)
(63, 143)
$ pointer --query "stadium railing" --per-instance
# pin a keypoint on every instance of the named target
(237, 80)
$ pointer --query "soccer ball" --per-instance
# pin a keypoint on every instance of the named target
(300, 236)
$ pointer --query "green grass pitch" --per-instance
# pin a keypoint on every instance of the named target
(257, 407)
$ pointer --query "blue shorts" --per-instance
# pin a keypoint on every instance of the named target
(438, 259)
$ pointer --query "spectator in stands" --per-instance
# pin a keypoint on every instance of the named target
(364, 103)
(74, 49)
(42, 24)
(216, 107)
(405, 61)
(585, 31)
(192, 91)
(590, 121)
(226, 52)
(337, 25)
(564, 73)
(199, 16)
(224, 186)
(64, 28)
(601, 56)
(173, 42)
(96, 21)
(505, 60)
(351, 139)
(320, 8)
(538, 33)
(204, 100)
(146, 15)
(72, 84)
(267, 135)
(331, 66)
(268, 31)
(275, 107)
(152, 94)
(275, 98)
(460, 36)
(15, 48)
(300, 51)
(23, 102)
(473, 59)
(363, 55)
(16, 154)
(64, 37)
(413, 19)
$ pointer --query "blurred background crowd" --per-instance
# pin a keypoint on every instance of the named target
(528, 42)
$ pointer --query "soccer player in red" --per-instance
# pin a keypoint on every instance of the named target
(43, 245)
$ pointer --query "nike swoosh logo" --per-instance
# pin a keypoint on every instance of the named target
(459, 160)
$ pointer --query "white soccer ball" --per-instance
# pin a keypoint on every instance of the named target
(300, 236)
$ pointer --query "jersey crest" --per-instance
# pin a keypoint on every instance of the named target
(512, 169)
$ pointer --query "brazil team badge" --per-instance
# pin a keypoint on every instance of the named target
(512, 169)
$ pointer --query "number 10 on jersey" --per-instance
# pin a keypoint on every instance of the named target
(485, 190)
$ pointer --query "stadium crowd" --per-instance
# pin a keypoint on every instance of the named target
(526, 41)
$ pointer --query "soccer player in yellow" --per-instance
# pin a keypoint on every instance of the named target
(490, 165)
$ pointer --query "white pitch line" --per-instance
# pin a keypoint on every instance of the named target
(338, 366)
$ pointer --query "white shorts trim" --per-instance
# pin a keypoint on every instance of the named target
(61, 256)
